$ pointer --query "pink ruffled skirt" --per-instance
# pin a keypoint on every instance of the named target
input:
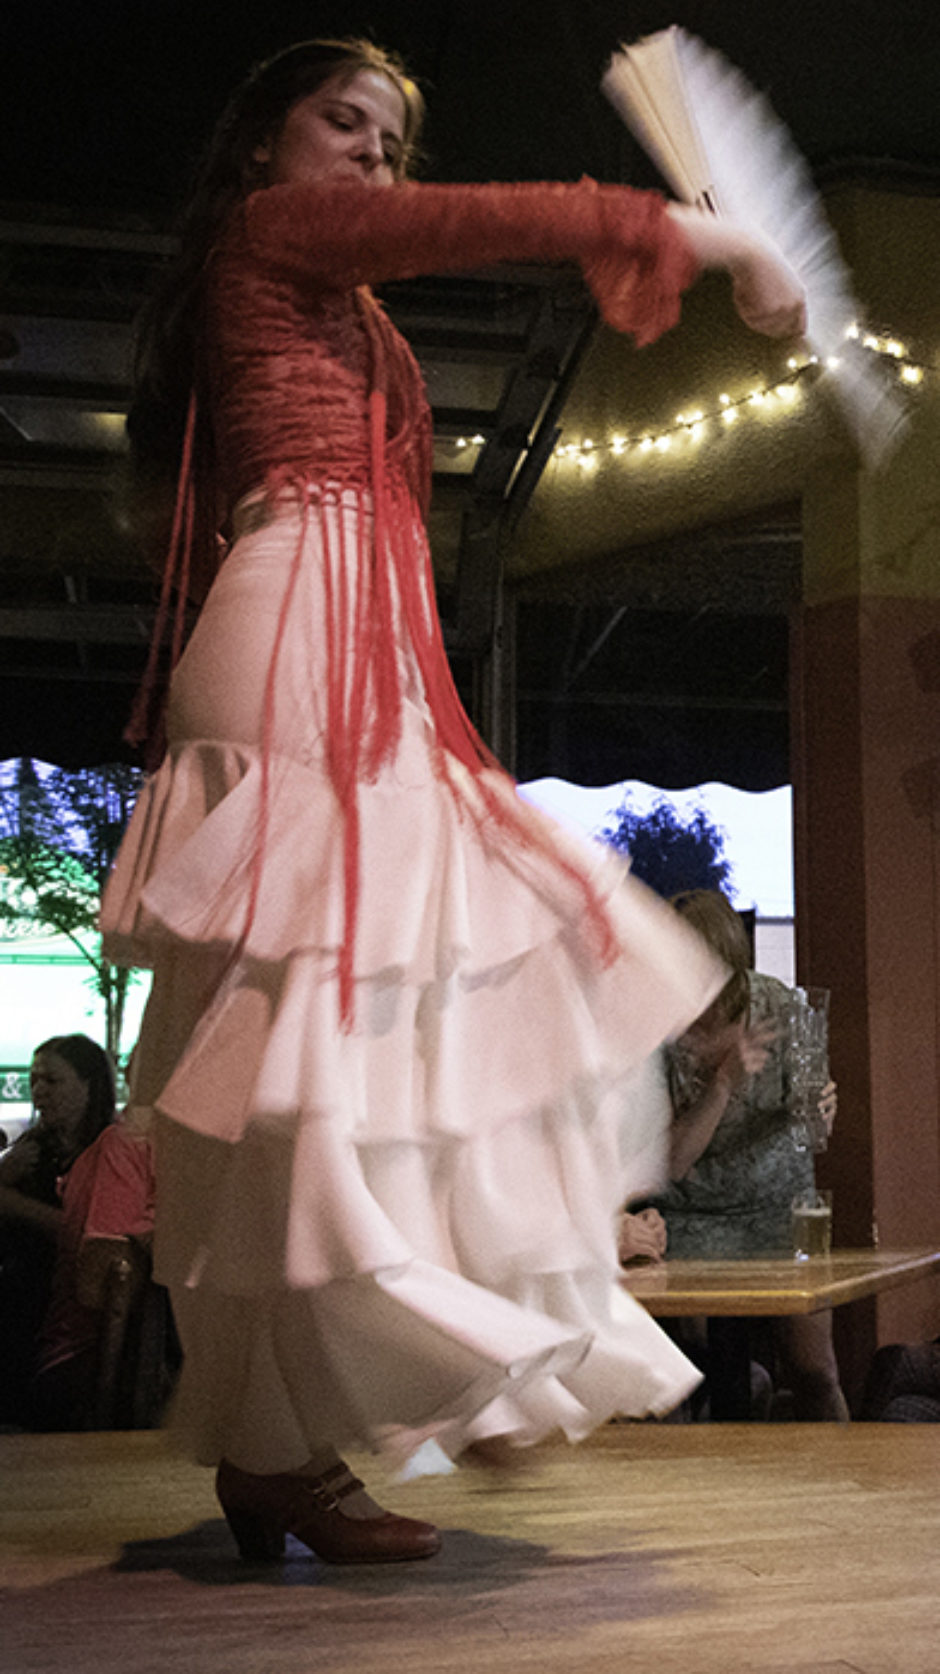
(406, 1229)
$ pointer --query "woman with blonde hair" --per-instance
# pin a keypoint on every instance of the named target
(734, 1163)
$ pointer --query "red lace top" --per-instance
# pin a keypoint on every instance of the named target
(290, 360)
(303, 381)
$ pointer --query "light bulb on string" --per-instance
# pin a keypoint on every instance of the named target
(777, 397)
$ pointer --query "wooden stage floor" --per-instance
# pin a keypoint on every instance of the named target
(672, 1549)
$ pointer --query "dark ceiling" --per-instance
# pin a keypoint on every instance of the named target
(105, 106)
(108, 101)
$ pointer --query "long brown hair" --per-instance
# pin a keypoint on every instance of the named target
(169, 324)
(93, 1066)
(710, 913)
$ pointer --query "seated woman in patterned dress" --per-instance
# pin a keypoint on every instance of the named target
(735, 1166)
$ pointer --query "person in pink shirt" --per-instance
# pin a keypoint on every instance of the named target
(109, 1193)
(72, 1090)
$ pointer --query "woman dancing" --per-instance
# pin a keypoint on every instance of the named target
(396, 1013)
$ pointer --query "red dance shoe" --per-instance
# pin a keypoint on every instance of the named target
(262, 1510)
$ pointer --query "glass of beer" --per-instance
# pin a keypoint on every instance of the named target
(812, 1224)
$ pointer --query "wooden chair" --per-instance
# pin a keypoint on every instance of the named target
(138, 1349)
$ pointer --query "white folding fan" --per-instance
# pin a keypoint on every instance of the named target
(718, 144)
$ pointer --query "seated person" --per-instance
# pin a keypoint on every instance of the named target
(734, 1164)
(109, 1194)
(72, 1088)
(903, 1386)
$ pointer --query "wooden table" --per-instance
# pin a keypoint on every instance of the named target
(729, 1293)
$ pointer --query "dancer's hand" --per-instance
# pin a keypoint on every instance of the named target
(767, 293)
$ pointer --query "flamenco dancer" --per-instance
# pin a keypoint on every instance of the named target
(397, 1016)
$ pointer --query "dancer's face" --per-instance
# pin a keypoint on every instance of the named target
(347, 130)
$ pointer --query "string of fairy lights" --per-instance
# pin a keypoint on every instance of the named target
(774, 397)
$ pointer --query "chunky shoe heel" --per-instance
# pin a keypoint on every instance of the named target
(261, 1510)
(259, 1541)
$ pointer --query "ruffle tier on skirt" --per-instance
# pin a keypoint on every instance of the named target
(403, 1229)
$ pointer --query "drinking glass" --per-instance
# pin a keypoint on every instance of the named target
(808, 1065)
(812, 1224)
